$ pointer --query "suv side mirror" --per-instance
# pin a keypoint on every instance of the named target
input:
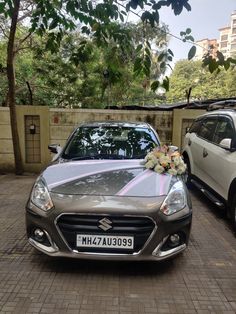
(226, 143)
(54, 148)
(173, 148)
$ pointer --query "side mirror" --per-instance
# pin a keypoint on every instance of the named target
(173, 148)
(226, 143)
(187, 130)
(54, 148)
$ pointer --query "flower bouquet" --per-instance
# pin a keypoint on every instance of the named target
(164, 160)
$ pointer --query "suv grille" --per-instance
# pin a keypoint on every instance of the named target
(139, 227)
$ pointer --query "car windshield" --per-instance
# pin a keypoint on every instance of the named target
(110, 142)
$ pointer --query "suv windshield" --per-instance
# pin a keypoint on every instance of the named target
(110, 142)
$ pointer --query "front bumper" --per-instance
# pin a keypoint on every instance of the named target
(157, 247)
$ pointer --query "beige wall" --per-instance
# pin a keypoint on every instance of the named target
(6, 147)
(63, 121)
(57, 124)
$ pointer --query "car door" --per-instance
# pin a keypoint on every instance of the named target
(198, 141)
(217, 162)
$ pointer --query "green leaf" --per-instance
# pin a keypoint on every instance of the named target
(156, 16)
(192, 52)
(148, 51)
(155, 85)
(187, 6)
(139, 48)
(162, 65)
(166, 83)
(226, 65)
(232, 60)
(212, 65)
(121, 17)
(188, 30)
(138, 65)
(190, 38)
(161, 56)
(53, 24)
(170, 52)
(148, 17)
(2, 7)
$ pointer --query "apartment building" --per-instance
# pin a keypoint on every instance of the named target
(225, 44)
(204, 46)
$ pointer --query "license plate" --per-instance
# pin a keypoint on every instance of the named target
(105, 241)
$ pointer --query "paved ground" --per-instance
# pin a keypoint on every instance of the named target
(202, 280)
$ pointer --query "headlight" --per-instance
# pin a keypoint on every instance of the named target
(40, 195)
(175, 200)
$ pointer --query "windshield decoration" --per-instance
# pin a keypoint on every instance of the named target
(164, 160)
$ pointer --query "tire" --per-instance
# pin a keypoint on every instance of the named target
(233, 212)
(188, 175)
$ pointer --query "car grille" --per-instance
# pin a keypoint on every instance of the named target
(139, 227)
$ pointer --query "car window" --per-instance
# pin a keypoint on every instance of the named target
(195, 127)
(110, 142)
(207, 129)
(224, 129)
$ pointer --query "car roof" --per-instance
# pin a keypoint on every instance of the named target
(115, 124)
(227, 112)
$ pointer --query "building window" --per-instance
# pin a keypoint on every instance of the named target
(224, 37)
(234, 22)
(234, 31)
(233, 47)
(223, 45)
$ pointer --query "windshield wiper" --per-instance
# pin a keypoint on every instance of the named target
(98, 156)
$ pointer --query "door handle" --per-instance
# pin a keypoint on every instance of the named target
(204, 153)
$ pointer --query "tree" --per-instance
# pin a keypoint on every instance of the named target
(11, 87)
(95, 18)
(203, 84)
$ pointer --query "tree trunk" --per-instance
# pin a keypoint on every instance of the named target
(30, 93)
(12, 87)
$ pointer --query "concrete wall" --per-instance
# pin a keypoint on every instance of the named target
(6, 147)
(57, 124)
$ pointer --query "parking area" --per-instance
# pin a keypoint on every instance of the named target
(201, 280)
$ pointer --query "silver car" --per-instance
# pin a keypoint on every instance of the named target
(97, 200)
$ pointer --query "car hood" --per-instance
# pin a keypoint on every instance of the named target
(107, 178)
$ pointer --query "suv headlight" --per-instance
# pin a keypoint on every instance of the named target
(175, 200)
(40, 195)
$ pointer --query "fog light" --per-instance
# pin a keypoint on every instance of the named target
(174, 239)
(39, 235)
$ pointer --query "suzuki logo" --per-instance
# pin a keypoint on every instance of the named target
(105, 224)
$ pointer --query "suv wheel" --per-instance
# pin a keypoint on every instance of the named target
(187, 175)
(233, 212)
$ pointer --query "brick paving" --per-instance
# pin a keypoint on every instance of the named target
(201, 280)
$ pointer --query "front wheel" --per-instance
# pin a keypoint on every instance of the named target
(233, 212)
(187, 175)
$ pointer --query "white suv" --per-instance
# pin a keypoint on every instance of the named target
(210, 155)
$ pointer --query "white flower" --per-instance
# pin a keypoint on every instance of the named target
(181, 169)
(172, 171)
(150, 164)
(164, 160)
(148, 156)
(159, 169)
(176, 161)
